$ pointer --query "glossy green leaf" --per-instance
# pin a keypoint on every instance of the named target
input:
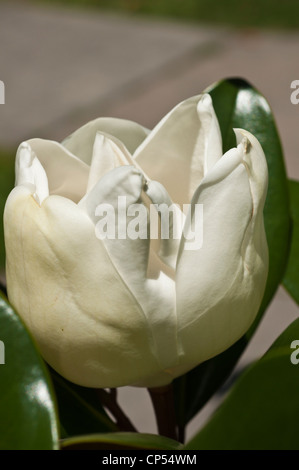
(262, 409)
(291, 278)
(238, 104)
(28, 418)
(80, 410)
(121, 440)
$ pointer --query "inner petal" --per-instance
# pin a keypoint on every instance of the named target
(81, 142)
(182, 148)
(67, 175)
(106, 156)
(118, 196)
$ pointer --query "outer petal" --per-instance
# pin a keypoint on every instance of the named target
(89, 326)
(81, 142)
(221, 285)
(29, 172)
(182, 147)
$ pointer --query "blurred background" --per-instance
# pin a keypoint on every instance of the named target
(66, 62)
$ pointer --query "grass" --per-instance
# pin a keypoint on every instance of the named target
(6, 184)
(244, 13)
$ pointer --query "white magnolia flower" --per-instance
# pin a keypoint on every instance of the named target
(108, 313)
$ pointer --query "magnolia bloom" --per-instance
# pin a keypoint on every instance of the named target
(123, 311)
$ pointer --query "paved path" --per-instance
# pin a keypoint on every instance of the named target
(63, 67)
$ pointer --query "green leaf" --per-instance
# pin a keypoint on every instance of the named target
(28, 418)
(80, 410)
(238, 104)
(262, 409)
(291, 278)
(120, 440)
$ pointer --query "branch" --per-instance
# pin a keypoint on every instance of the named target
(163, 402)
(108, 400)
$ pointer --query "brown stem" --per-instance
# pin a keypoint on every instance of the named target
(113, 393)
(108, 400)
(163, 402)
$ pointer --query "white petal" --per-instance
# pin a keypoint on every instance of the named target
(255, 162)
(108, 153)
(211, 134)
(170, 224)
(105, 157)
(86, 322)
(80, 143)
(221, 285)
(29, 171)
(67, 175)
(182, 148)
(156, 296)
